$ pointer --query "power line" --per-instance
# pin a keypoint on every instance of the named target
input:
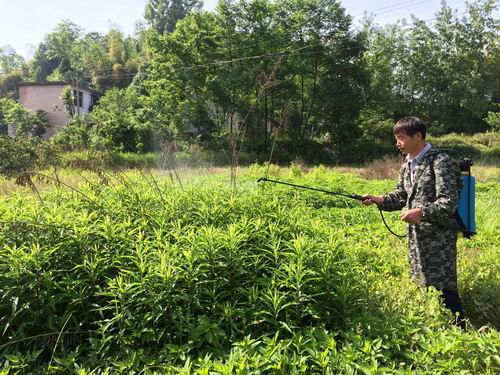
(257, 57)
(389, 8)
(275, 54)
(270, 55)
(395, 5)
(402, 7)
(411, 27)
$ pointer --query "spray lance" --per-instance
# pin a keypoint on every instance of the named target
(464, 215)
(350, 196)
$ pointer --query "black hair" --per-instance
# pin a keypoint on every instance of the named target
(410, 126)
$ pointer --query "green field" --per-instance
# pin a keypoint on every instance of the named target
(125, 274)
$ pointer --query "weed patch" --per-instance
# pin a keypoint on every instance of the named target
(200, 278)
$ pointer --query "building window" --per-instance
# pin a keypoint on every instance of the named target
(93, 100)
(80, 98)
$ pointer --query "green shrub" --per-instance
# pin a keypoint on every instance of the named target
(481, 146)
(26, 123)
(138, 276)
(493, 121)
(376, 126)
(75, 135)
(18, 155)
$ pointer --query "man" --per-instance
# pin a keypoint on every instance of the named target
(428, 187)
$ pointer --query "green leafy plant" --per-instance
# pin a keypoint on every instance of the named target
(132, 277)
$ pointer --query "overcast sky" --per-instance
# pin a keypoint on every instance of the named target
(23, 23)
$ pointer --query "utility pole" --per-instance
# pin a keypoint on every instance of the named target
(77, 96)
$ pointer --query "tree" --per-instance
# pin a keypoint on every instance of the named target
(60, 43)
(115, 124)
(24, 121)
(287, 64)
(115, 47)
(90, 57)
(76, 134)
(42, 66)
(380, 103)
(55, 52)
(123, 58)
(68, 101)
(447, 74)
(16, 156)
(9, 83)
(10, 61)
(12, 71)
(99, 61)
(493, 120)
(162, 15)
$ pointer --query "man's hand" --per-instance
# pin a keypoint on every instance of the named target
(412, 216)
(369, 199)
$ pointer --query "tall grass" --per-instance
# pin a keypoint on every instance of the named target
(208, 279)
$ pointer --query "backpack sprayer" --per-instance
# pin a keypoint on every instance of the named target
(465, 214)
(466, 211)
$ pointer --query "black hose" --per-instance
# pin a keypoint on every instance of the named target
(387, 226)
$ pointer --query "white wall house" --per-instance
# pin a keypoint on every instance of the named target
(47, 97)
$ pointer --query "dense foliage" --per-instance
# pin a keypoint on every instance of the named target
(26, 123)
(10, 61)
(163, 15)
(134, 276)
(101, 61)
(447, 73)
(22, 155)
(260, 69)
(129, 274)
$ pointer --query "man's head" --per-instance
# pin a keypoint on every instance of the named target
(410, 135)
(410, 126)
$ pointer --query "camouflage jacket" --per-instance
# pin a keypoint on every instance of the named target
(431, 243)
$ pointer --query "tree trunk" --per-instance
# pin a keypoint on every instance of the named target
(313, 94)
(265, 119)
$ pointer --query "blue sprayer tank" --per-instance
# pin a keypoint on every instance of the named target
(467, 206)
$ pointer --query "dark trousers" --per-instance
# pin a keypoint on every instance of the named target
(451, 300)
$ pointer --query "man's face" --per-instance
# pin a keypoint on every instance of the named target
(408, 144)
